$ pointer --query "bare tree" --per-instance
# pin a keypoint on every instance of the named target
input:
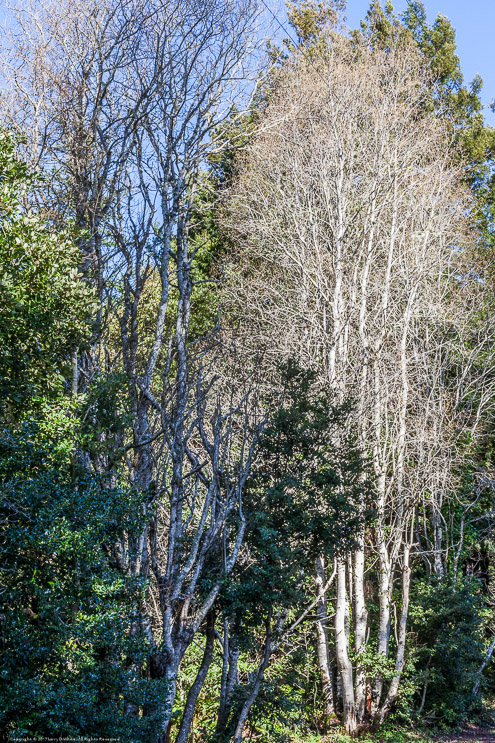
(121, 102)
(350, 223)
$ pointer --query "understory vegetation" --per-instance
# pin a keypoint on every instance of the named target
(247, 374)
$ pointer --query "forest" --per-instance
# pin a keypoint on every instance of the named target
(247, 375)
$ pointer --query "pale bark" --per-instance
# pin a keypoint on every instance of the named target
(402, 636)
(341, 648)
(486, 660)
(322, 642)
(360, 626)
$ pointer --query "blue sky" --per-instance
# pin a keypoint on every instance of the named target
(474, 22)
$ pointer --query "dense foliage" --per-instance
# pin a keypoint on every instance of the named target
(66, 609)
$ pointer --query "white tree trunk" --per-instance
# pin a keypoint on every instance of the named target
(322, 643)
(341, 647)
(402, 635)
(360, 626)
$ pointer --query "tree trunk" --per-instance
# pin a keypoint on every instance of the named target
(166, 707)
(199, 681)
(384, 584)
(486, 660)
(360, 624)
(257, 683)
(229, 678)
(322, 644)
(341, 647)
(401, 640)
